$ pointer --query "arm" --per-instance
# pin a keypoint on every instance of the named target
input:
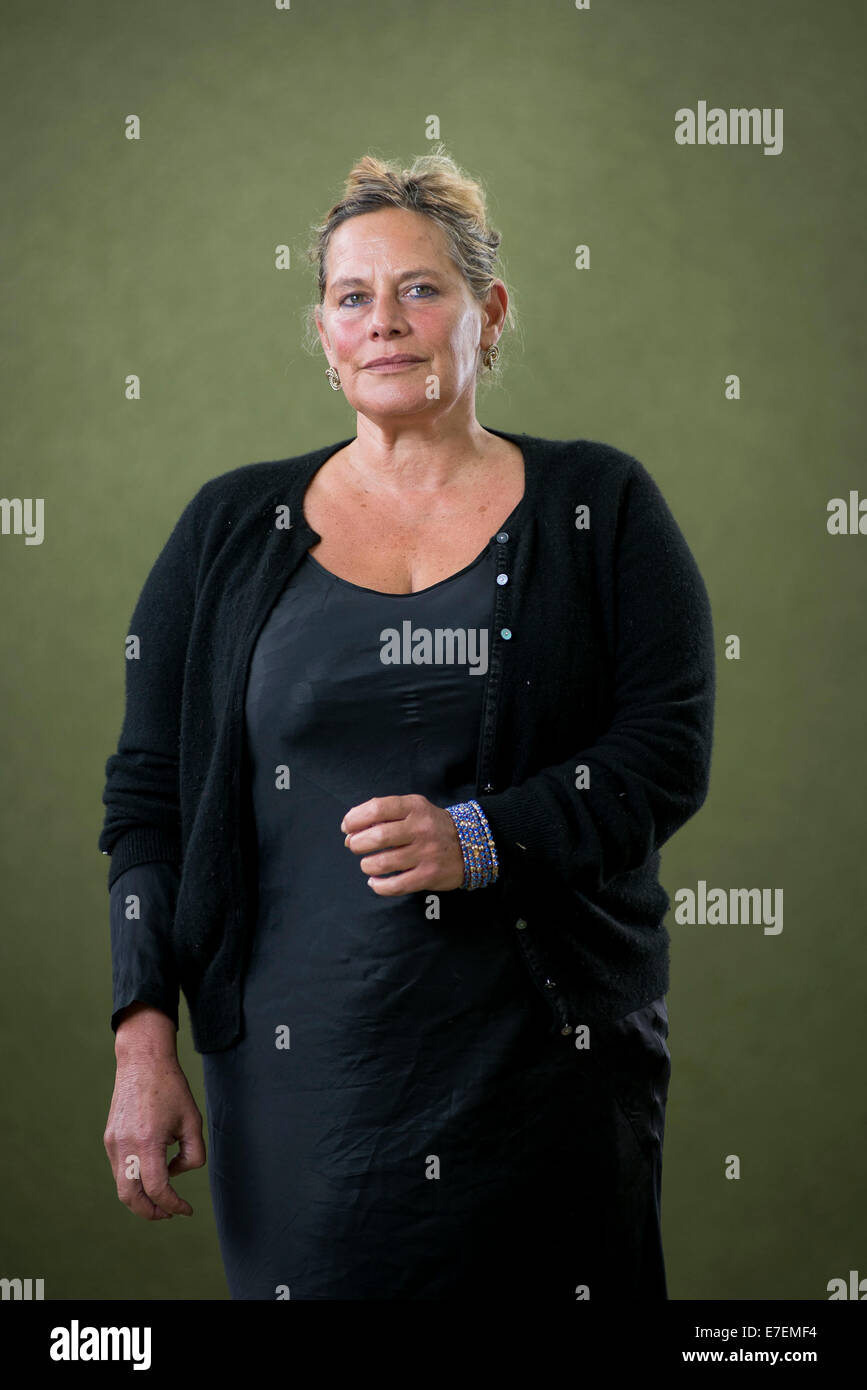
(649, 771)
(142, 822)
(152, 1107)
(142, 905)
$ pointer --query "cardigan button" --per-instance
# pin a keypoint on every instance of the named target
(550, 984)
(502, 537)
(505, 633)
(520, 924)
(567, 1030)
(502, 579)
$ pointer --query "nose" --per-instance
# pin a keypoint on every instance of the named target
(386, 318)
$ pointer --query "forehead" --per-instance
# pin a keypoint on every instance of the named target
(396, 237)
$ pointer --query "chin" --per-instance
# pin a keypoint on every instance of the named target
(405, 402)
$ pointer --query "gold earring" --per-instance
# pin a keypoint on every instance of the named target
(490, 355)
(333, 378)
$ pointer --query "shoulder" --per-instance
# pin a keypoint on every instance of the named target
(623, 496)
(251, 489)
(593, 463)
(581, 453)
(251, 482)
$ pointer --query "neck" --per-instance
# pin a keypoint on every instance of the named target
(418, 459)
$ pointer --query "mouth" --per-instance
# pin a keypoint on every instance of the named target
(392, 364)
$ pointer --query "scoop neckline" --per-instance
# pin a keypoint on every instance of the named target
(415, 593)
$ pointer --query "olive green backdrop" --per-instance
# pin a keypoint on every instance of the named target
(157, 257)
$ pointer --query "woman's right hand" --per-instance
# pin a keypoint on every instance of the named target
(152, 1108)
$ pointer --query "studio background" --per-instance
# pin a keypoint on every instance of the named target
(156, 257)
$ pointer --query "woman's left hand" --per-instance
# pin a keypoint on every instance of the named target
(407, 838)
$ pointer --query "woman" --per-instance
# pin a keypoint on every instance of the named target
(408, 718)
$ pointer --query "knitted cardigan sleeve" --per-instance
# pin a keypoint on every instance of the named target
(142, 822)
(142, 904)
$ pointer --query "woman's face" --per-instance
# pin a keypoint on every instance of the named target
(392, 290)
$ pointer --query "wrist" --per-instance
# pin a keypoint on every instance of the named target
(145, 1031)
(481, 866)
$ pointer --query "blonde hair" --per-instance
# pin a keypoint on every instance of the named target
(435, 186)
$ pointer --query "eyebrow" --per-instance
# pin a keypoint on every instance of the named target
(345, 280)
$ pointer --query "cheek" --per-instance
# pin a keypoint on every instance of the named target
(465, 334)
(443, 329)
(344, 335)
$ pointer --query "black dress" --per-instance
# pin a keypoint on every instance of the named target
(401, 1119)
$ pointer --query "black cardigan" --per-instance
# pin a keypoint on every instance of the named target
(595, 745)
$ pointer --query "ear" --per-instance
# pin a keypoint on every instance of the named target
(496, 306)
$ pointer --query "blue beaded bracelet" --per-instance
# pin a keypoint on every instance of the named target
(477, 844)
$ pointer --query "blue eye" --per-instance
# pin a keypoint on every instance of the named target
(354, 294)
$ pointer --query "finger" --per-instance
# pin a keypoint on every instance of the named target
(155, 1181)
(379, 808)
(391, 861)
(131, 1192)
(391, 887)
(191, 1153)
(388, 835)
